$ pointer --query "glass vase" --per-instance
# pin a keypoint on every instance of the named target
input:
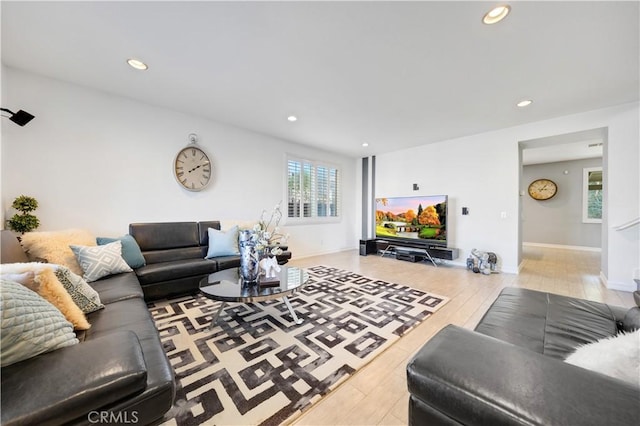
(249, 255)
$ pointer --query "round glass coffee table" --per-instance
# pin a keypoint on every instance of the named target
(228, 286)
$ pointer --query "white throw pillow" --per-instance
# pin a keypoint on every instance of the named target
(223, 243)
(100, 261)
(617, 356)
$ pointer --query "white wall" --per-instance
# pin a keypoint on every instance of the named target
(100, 162)
(475, 172)
(558, 221)
(481, 172)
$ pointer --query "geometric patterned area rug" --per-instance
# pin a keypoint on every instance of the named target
(257, 367)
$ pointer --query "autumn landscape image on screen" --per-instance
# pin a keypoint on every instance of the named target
(412, 217)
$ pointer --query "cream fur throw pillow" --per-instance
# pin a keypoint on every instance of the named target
(54, 292)
(617, 356)
(54, 246)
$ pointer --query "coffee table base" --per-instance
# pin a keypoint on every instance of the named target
(285, 299)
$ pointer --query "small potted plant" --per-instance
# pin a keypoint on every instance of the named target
(24, 221)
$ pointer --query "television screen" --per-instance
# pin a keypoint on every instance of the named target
(421, 218)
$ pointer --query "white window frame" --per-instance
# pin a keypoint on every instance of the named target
(585, 194)
(313, 218)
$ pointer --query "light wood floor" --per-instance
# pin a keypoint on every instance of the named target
(377, 394)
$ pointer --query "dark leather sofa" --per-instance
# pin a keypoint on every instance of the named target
(175, 257)
(510, 369)
(117, 374)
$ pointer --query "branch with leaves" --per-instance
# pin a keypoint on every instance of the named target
(268, 231)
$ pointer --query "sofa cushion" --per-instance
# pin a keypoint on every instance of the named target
(164, 235)
(132, 314)
(53, 246)
(473, 379)
(546, 323)
(118, 287)
(131, 252)
(169, 255)
(203, 230)
(101, 261)
(29, 325)
(71, 382)
(227, 262)
(164, 271)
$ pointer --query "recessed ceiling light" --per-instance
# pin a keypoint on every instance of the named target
(524, 103)
(137, 64)
(496, 14)
(365, 144)
(292, 118)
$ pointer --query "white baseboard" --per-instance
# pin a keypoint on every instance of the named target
(454, 263)
(616, 285)
(508, 270)
(603, 279)
(563, 247)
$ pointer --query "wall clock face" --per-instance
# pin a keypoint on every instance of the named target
(542, 189)
(192, 168)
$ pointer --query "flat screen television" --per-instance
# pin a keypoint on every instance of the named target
(419, 219)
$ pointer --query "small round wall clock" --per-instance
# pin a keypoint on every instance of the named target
(192, 167)
(542, 189)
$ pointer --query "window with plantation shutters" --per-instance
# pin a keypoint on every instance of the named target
(313, 190)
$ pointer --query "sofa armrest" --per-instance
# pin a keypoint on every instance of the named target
(68, 383)
(464, 377)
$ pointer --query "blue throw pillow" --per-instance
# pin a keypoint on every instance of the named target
(131, 252)
(223, 243)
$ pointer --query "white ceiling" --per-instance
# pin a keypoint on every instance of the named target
(392, 74)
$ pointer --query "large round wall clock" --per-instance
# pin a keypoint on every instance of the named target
(542, 189)
(192, 168)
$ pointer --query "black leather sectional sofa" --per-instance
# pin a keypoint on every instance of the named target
(118, 371)
(510, 370)
(175, 257)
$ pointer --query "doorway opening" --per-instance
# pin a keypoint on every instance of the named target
(556, 165)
